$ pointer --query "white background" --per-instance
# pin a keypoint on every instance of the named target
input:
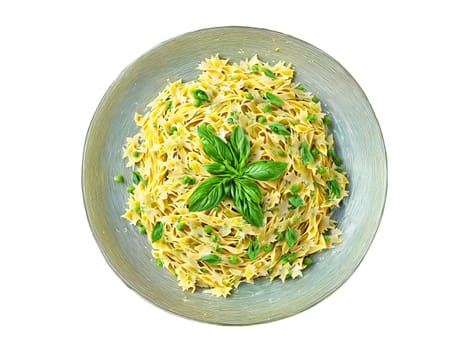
(58, 59)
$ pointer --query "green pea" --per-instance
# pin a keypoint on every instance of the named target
(327, 238)
(327, 120)
(135, 154)
(337, 160)
(267, 108)
(196, 102)
(142, 229)
(230, 120)
(322, 170)
(219, 249)
(137, 208)
(207, 229)
(200, 95)
(233, 259)
(130, 189)
(282, 153)
(214, 237)
(315, 99)
(330, 152)
(295, 188)
(262, 119)
(159, 262)
(186, 180)
(307, 261)
(172, 130)
(168, 104)
(267, 248)
(340, 169)
(119, 178)
(180, 226)
(280, 237)
(248, 95)
(312, 117)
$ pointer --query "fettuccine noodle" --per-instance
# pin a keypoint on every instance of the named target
(168, 157)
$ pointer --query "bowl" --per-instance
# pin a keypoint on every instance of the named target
(358, 140)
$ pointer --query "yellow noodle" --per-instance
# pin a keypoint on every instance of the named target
(167, 148)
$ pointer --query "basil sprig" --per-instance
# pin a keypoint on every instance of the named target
(233, 178)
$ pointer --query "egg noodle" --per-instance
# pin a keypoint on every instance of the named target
(217, 248)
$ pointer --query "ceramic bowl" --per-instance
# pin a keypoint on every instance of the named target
(358, 140)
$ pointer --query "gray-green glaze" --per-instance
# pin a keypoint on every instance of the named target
(358, 139)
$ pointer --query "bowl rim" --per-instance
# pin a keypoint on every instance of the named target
(132, 285)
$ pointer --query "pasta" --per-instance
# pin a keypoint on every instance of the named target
(219, 248)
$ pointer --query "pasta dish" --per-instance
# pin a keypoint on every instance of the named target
(234, 176)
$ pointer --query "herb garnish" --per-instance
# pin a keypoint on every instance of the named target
(334, 188)
(211, 259)
(234, 177)
(307, 156)
(296, 201)
(157, 231)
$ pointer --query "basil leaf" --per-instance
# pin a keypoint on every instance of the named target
(307, 157)
(265, 170)
(250, 188)
(268, 72)
(334, 188)
(227, 187)
(214, 147)
(251, 210)
(273, 99)
(207, 195)
(215, 169)
(296, 201)
(290, 237)
(253, 249)
(211, 259)
(157, 231)
(240, 145)
(279, 129)
(135, 177)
